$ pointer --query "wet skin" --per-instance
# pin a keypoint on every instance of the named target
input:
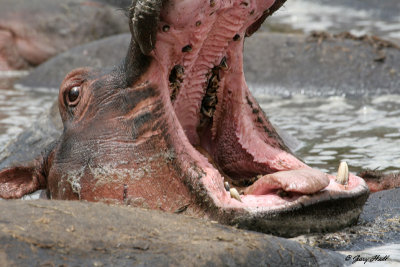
(174, 127)
(377, 181)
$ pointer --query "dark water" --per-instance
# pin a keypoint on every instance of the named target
(374, 17)
(18, 108)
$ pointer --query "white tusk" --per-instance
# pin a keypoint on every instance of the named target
(343, 173)
(235, 194)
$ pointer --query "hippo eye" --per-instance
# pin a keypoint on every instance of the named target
(73, 96)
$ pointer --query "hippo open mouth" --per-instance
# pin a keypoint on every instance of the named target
(176, 128)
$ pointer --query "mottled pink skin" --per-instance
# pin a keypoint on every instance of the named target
(20, 52)
(377, 181)
(213, 41)
(304, 181)
(237, 143)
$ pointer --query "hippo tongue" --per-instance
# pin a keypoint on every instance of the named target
(304, 181)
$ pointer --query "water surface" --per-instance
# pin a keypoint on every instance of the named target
(374, 17)
(365, 132)
(18, 109)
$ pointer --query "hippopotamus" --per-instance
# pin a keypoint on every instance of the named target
(27, 40)
(378, 181)
(175, 127)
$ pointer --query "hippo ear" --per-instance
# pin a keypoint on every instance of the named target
(18, 181)
(145, 18)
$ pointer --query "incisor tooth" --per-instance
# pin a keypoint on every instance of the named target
(235, 194)
(343, 173)
(227, 187)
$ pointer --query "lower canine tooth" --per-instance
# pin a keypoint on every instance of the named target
(235, 194)
(343, 173)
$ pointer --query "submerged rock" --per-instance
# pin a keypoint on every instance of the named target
(322, 65)
(319, 64)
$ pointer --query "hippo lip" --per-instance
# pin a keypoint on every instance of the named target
(222, 128)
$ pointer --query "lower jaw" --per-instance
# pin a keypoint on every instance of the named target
(322, 212)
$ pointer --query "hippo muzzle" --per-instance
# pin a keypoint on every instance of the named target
(175, 127)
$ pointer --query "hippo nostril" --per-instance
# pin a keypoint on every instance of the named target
(236, 37)
(187, 48)
(165, 28)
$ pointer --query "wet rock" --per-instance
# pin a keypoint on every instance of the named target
(117, 3)
(322, 65)
(72, 233)
(379, 224)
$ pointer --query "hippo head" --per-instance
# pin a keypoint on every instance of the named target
(174, 127)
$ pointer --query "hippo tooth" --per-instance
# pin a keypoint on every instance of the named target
(343, 173)
(223, 65)
(227, 187)
(235, 194)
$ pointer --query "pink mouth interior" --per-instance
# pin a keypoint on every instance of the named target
(230, 137)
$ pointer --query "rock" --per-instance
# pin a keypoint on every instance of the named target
(378, 224)
(322, 65)
(98, 54)
(94, 234)
(290, 64)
